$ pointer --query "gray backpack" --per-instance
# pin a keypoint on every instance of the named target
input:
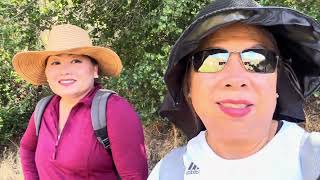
(98, 118)
(172, 166)
(98, 115)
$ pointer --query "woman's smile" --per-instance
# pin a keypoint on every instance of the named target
(67, 82)
(235, 108)
(70, 76)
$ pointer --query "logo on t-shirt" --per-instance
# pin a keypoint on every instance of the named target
(193, 169)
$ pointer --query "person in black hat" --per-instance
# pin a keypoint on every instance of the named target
(237, 78)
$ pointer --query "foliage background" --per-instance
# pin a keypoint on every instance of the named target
(140, 31)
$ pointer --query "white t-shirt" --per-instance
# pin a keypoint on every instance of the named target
(278, 160)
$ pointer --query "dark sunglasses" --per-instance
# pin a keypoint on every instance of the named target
(254, 60)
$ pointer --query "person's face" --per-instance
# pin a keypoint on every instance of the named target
(234, 98)
(70, 76)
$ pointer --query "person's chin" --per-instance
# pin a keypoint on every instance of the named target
(68, 93)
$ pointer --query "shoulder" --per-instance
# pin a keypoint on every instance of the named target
(171, 166)
(116, 101)
(293, 128)
(120, 111)
(155, 173)
(290, 135)
(174, 158)
(175, 154)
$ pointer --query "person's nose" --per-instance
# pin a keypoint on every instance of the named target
(66, 69)
(236, 74)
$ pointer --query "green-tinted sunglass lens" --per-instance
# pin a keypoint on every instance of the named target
(214, 63)
(253, 61)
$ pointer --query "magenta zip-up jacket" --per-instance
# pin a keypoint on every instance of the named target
(77, 154)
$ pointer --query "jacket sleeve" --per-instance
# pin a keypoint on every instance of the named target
(28, 145)
(127, 140)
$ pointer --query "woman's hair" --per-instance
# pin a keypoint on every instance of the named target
(93, 61)
(186, 89)
(186, 79)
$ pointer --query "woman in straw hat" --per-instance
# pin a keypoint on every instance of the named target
(236, 79)
(66, 146)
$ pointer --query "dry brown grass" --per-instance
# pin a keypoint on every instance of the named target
(160, 138)
(10, 167)
(312, 111)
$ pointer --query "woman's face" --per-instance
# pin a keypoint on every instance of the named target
(234, 99)
(70, 76)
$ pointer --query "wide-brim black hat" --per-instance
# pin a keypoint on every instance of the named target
(298, 39)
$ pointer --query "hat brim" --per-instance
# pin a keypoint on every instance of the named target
(30, 65)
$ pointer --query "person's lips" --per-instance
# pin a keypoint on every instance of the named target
(67, 82)
(235, 108)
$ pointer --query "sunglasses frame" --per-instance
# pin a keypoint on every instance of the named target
(192, 58)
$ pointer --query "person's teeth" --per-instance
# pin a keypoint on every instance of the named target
(230, 105)
(67, 81)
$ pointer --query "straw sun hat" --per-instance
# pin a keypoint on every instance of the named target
(65, 39)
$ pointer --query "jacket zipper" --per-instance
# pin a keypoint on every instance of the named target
(56, 148)
(54, 155)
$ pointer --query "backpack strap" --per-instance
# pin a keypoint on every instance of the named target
(172, 165)
(38, 112)
(98, 117)
(99, 114)
(310, 156)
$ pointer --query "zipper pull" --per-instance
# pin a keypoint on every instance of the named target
(54, 155)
